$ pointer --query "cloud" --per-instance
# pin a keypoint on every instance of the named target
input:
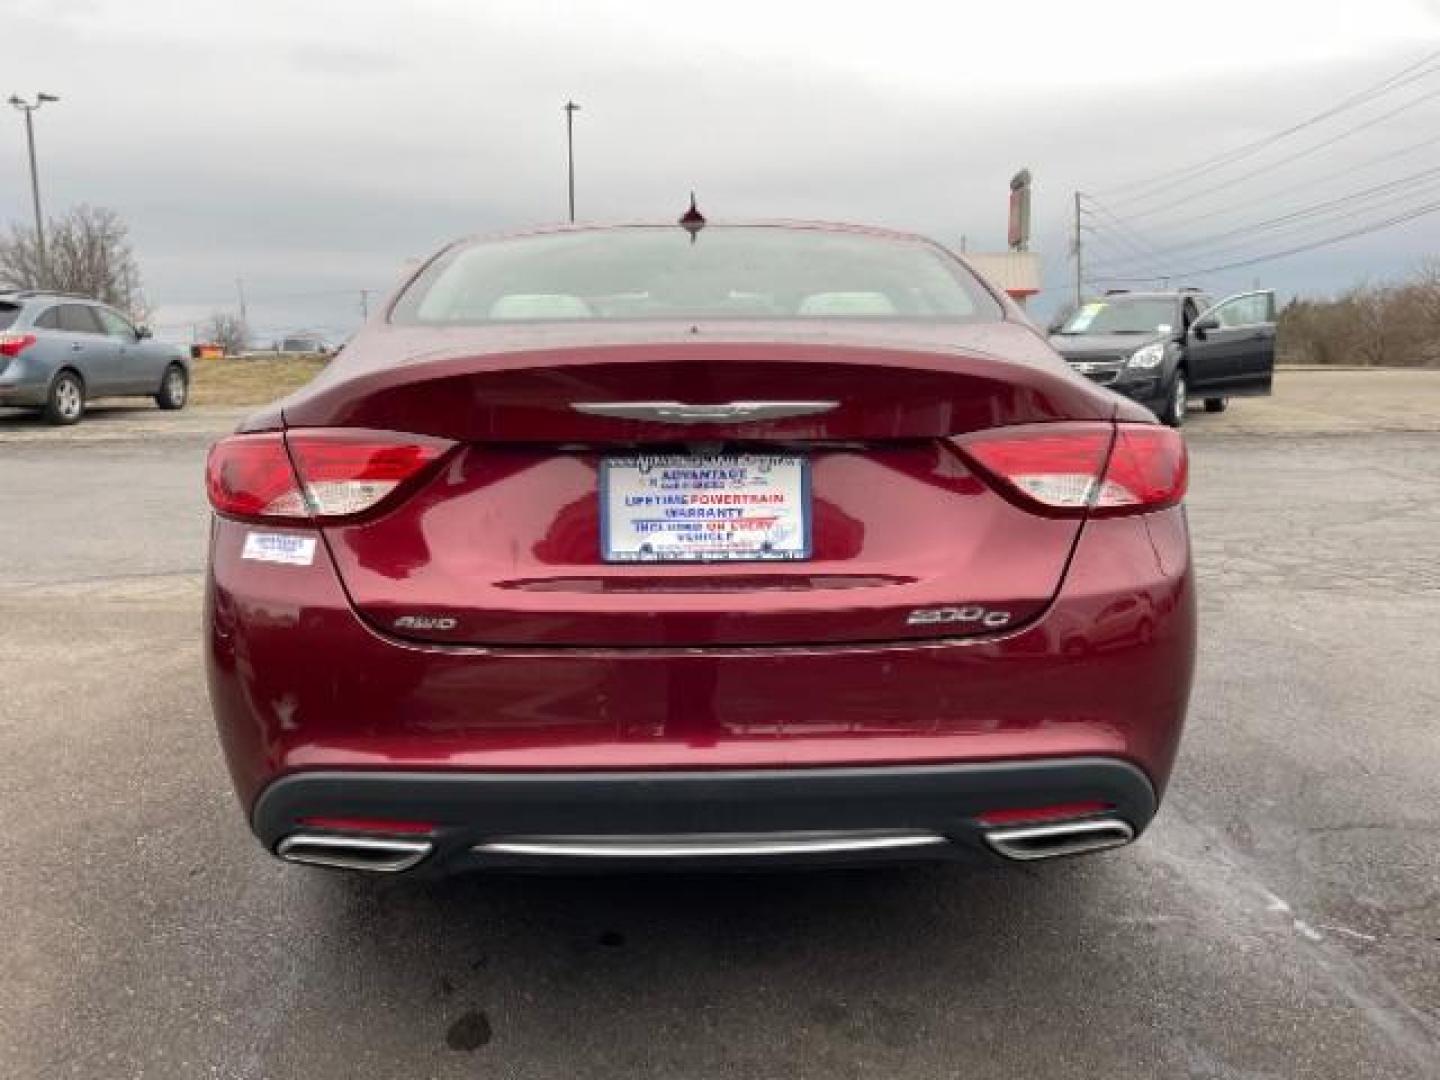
(313, 148)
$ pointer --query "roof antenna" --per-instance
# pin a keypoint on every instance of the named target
(692, 221)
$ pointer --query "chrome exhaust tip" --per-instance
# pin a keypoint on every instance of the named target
(1030, 842)
(353, 852)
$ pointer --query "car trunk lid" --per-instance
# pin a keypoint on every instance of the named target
(504, 546)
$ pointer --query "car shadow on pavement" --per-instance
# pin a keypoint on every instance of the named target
(817, 962)
(95, 413)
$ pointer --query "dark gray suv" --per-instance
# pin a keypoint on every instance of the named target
(57, 352)
(1163, 348)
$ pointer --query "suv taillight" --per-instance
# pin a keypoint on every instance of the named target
(15, 344)
(314, 474)
(1075, 469)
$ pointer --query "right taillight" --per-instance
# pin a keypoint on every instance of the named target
(1148, 470)
(310, 475)
(1070, 470)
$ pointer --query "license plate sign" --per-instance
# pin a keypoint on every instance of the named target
(704, 508)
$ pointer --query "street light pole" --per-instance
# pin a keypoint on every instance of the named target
(28, 108)
(570, 110)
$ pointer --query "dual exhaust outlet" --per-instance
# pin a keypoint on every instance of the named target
(391, 855)
(1027, 843)
(379, 856)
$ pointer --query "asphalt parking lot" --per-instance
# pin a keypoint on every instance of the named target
(1281, 919)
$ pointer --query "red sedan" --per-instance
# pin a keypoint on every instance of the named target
(730, 544)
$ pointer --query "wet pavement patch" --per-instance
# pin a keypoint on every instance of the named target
(469, 1032)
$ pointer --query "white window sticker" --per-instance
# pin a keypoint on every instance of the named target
(284, 548)
(1081, 320)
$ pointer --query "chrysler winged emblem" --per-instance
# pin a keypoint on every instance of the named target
(680, 412)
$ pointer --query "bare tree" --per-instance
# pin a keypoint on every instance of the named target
(229, 332)
(1394, 325)
(87, 252)
(1370, 318)
(1426, 299)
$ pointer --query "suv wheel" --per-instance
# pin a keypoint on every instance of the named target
(1174, 414)
(1216, 404)
(174, 389)
(65, 403)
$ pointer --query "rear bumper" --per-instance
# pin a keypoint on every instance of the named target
(736, 817)
(311, 701)
(24, 381)
(23, 394)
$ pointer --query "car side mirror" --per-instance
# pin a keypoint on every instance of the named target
(142, 332)
(1202, 326)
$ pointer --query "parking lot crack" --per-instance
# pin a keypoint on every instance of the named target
(1208, 862)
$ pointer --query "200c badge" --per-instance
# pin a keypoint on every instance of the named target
(970, 613)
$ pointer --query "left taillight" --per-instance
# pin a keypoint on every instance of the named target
(12, 345)
(249, 476)
(314, 474)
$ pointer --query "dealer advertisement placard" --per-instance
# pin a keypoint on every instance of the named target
(710, 508)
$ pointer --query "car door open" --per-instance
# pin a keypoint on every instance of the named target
(1233, 342)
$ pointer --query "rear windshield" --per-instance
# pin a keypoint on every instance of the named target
(1120, 315)
(8, 314)
(723, 273)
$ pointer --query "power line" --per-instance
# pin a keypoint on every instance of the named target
(1306, 152)
(1403, 77)
(1244, 250)
(1110, 254)
(317, 294)
(1103, 235)
(1371, 227)
(1270, 196)
(1122, 232)
(1114, 246)
(1327, 216)
(271, 299)
(1387, 192)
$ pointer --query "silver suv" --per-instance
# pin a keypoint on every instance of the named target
(59, 351)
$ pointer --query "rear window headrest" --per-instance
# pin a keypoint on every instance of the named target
(847, 303)
(540, 306)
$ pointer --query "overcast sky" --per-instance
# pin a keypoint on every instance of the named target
(312, 148)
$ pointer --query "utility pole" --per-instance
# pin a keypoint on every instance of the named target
(240, 289)
(570, 110)
(1079, 266)
(365, 303)
(28, 108)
